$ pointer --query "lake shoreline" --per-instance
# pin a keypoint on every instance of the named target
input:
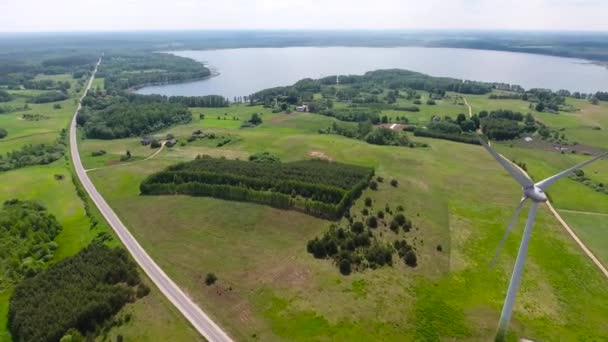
(247, 70)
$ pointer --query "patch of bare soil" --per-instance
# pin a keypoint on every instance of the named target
(320, 155)
(283, 117)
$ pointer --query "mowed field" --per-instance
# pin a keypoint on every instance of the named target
(457, 196)
(153, 317)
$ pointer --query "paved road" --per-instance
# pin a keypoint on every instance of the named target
(184, 304)
(559, 218)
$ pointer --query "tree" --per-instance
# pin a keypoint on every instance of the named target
(468, 125)
(357, 227)
(394, 182)
(372, 184)
(3, 133)
(368, 202)
(540, 107)
(210, 279)
(345, 267)
(372, 222)
(460, 118)
(410, 258)
(594, 100)
(255, 119)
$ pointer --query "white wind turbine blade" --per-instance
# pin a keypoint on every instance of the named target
(509, 227)
(544, 184)
(522, 179)
(507, 309)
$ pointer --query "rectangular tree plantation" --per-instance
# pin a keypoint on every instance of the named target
(317, 187)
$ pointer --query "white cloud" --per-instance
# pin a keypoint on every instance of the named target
(111, 15)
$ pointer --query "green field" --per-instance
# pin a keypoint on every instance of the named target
(592, 228)
(270, 288)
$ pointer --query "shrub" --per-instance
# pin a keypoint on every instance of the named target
(394, 226)
(380, 179)
(345, 267)
(3, 133)
(394, 182)
(98, 153)
(155, 144)
(439, 248)
(410, 258)
(368, 202)
(380, 214)
(431, 102)
(142, 290)
(400, 219)
(365, 212)
(373, 185)
(400, 208)
(210, 279)
(372, 222)
(357, 227)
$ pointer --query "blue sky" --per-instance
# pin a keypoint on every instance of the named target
(113, 15)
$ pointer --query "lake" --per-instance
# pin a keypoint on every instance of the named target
(245, 71)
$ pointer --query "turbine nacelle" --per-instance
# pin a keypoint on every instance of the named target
(535, 193)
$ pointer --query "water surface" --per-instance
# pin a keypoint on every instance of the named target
(245, 71)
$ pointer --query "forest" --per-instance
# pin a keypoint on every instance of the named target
(27, 233)
(79, 292)
(317, 187)
(129, 70)
(114, 117)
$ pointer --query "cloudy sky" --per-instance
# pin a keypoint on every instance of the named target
(112, 15)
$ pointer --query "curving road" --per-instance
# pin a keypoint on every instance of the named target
(198, 319)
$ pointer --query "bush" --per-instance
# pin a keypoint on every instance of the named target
(368, 202)
(3, 133)
(410, 258)
(142, 290)
(394, 226)
(373, 185)
(345, 267)
(155, 144)
(439, 248)
(210, 279)
(380, 214)
(365, 212)
(357, 227)
(372, 222)
(98, 153)
(380, 179)
(264, 157)
(431, 102)
(394, 182)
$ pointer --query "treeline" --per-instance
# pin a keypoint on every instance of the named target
(17, 72)
(49, 96)
(505, 124)
(39, 154)
(5, 96)
(316, 187)
(117, 117)
(371, 134)
(79, 292)
(27, 233)
(125, 71)
(48, 85)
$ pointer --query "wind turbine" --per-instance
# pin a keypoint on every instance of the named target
(536, 193)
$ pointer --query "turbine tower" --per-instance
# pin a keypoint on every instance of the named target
(536, 193)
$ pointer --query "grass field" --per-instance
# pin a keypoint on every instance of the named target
(592, 228)
(270, 288)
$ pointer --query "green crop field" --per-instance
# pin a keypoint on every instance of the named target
(270, 288)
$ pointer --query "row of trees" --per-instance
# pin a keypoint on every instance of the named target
(49, 96)
(78, 292)
(38, 154)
